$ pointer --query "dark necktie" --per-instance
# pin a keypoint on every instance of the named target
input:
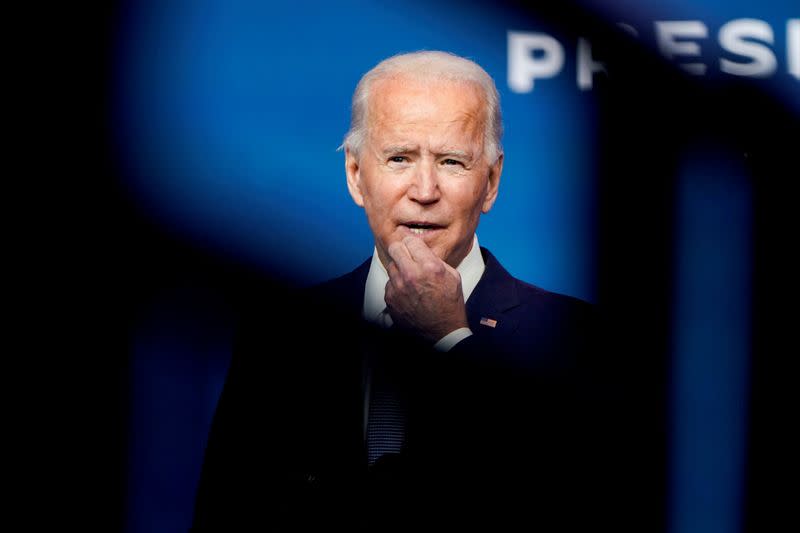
(387, 415)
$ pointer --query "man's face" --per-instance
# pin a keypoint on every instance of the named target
(422, 169)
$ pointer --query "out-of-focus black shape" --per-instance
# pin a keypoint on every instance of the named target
(770, 135)
(648, 112)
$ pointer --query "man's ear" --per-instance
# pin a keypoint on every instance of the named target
(492, 184)
(353, 172)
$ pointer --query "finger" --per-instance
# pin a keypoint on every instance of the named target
(418, 250)
(395, 284)
(425, 259)
(388, 292)
(400, 255)
(452, 271)
(393, 287)
(394, 273)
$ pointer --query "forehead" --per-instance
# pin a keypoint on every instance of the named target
(404, 105)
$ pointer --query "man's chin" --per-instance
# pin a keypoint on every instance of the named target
(429, 240)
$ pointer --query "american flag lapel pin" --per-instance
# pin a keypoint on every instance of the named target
(488, 322)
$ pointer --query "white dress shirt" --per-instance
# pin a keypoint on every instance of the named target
(471, 269)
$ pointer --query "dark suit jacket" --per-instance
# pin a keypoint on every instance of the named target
(510, 429)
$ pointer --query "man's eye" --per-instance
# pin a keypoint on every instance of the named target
(398, 159)
(450, 162)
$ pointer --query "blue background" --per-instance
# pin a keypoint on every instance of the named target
(235, 111)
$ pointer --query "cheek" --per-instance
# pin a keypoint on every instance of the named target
(470, 201)
(379, 202)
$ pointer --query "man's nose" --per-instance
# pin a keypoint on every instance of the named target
(425, 187)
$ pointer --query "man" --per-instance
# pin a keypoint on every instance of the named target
(428, 386)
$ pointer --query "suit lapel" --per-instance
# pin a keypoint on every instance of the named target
(493, 298)
(345, 294)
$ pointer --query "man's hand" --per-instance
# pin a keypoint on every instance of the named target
(423, 293)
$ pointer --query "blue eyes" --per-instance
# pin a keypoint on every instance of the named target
(451, 162)
(398, 159)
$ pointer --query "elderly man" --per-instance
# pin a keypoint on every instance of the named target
(427, 386)
(423, 159)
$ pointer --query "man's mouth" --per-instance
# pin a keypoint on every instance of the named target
(421, 228)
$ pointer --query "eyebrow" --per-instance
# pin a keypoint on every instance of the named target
(399, 149)
(455, 153)
(404, 149)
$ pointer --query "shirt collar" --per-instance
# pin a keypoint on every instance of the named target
(471, 270)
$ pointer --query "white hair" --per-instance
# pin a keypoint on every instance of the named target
(432, 66)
